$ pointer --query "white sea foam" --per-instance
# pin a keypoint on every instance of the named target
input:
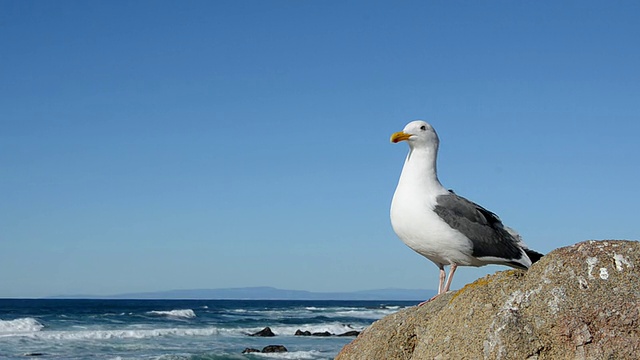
(184, 313)
(313, 354)
(369, 313)
(315, 311)
(333, 328)
(366, 314)
(22, 325)
(122, 334)
(137, 333)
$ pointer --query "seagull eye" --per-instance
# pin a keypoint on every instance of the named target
(423, 127)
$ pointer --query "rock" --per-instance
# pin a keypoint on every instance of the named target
(266, 332)
(34, 354)
(577, 302)
(324, 333)
(351, 333)
(302, 333)
(274, 349)
(266, 349)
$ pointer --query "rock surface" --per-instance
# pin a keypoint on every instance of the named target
(578, 302)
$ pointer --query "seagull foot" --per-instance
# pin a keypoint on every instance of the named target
(426, 301)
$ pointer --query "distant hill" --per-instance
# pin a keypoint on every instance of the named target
(270, 293)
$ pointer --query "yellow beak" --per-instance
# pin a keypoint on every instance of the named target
(399, 136)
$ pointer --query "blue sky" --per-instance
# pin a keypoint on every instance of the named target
(154, 145)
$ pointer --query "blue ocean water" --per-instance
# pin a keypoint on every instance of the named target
(179, 329)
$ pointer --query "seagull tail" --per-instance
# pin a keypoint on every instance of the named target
(533, 255)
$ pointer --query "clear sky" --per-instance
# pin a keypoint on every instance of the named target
(155, 145)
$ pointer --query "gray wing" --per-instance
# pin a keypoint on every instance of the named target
(481, 226)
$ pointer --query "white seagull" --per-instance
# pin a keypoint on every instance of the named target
(442, 226)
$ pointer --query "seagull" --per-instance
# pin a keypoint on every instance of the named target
(441, 225)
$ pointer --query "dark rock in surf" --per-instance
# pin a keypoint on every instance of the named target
(351, 333)
(302, 333)
(325, 333)
(266, 332)
(274, 349)
(250, 350)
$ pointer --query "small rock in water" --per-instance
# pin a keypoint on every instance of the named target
(274, 349)
(250, 350)
(351, 333)
(34, 354)
(325, 333)
(302, 333)
(264, 332)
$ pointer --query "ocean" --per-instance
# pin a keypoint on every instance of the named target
(180, 329)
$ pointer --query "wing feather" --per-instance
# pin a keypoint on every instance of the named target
(484, 228)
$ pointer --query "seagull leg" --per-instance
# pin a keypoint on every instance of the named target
(443, 275)
(452, 270)
(441, 290)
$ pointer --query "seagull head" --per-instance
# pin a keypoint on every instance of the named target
(418, 134)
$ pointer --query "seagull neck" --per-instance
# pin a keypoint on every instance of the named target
(420, 166)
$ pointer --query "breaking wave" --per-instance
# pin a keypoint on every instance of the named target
(313, 354)
(184, 314)
(122, 334)
(22, 325)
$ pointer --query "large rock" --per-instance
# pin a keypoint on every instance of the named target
(578, 302)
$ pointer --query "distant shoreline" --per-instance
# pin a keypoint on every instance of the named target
(264, 293)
